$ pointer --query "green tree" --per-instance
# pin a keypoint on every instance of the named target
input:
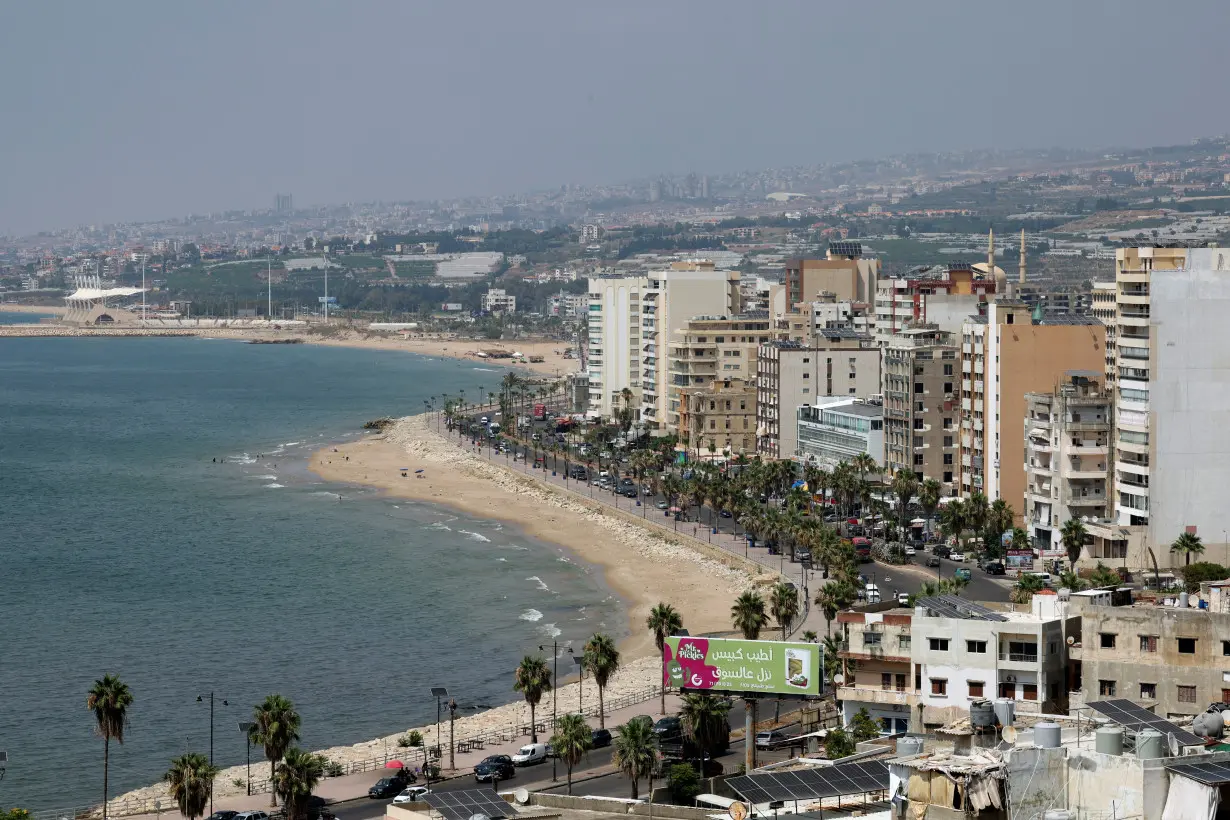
(1187, 545)
(863, 726)
(191, 779)
(636, 750)
(929, 493)
(1025, 588)
(275, 726)
(533, 680)
(1073, 535)
(976, 512)
(1068, 579)
(601, 658)
(15, 814)
(663, 622)
(1194, 574)
(838, 744)
(784, 605)
(109, 699)
(571, 741)
(748, 614)
(832, 598)
(684, 783)
(1104, 576)
(904, 486)
(999, 521)
(298, 775)
(704, 718)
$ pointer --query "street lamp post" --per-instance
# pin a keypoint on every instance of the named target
(246, 727)
(437, 692)
(554, 691)
(579, 660)
(201, 699)
(452, 713)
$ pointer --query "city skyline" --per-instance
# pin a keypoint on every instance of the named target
(196, 112)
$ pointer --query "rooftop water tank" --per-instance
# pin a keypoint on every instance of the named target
(1225, 718)
(1150, 744)
(1047, 735)
(981, 714)
(1209, 724)
(1005, 711)
(1109, 740)
(909, 746)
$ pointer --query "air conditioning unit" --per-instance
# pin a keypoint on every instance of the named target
(1010, 678)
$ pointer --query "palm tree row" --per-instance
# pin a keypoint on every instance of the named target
(532, 678)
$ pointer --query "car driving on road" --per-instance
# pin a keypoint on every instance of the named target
(494, 766)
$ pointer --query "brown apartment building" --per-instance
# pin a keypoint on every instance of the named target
(920, 375)
(843, 272)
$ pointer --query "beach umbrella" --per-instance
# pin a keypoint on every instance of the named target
(676, 509)
(395, 764)
(420, 471)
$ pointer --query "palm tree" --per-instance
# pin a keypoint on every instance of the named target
(704, 719)
(572, 739)
(1072, 534)
(601, 658)
(1188, 544)
(636, 750)
(952, 518)
(275, 726)
(191, 779)
(929, 497)
(784, 605)
(904, 485)
(298, 775)
(999, 521)
(1025, 588)
(1068, 579)
(533, 680)
(976, 511)
(109, 699)
(663, 621)
(748, 615)
(832, 598)
(1104, 576)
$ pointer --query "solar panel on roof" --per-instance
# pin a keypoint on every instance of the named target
(950, 606)
(1131, 716)
(465, 804)
(1211, 774)
(812, 784)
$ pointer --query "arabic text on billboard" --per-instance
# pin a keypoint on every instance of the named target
(732, 665)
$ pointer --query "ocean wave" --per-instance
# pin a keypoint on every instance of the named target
(502, 559)
(476, 536)
(292, 443)
(539, 581)
(439, 525)
(326, 492)
(550, 630)
(265, 477)
(242, 458)
(274, 486)
(486, 369)
(530, 615)
(563, 560)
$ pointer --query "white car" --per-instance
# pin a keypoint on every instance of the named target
(411, 795)
(957, 556)
(251, 815)
(530, 754)
(910, 552)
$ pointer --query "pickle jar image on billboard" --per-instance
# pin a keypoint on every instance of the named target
(734, 665)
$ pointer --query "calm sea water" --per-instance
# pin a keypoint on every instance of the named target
(125, 548)
(10, 317)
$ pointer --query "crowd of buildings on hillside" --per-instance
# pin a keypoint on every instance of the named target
(1113, 417)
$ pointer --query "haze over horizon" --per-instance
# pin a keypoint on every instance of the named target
(143, 110)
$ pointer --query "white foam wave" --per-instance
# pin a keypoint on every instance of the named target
(485, 370)
(540, 583)
(439, 525)
(274, 486)
(292, 443)
(530, 615)
(476, 536)
(242, 458)
(265, 477)
(502, 559)
(326, 492)
(563, 560)
(550, 630)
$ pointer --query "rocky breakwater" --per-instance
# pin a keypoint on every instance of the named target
(82, 332)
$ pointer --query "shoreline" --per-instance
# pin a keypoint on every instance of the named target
(638, 566)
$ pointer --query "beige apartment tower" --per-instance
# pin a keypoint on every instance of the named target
(920, 374)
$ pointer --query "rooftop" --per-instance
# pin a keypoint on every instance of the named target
(861, 409)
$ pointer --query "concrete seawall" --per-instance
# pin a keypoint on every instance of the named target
(18, 331)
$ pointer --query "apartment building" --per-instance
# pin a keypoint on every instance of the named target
(497, 300)
(1102, 306)
(709, 349)
(719, 420)
(843, 272)
(919, 384)
(1067, 458)
(671, 298)
(1174, 659)
(837, 430)
(1006, 354)
(790, 374)
(806, 324)
(876, 669)
(962, 651)
(944, 296)
(615, 356)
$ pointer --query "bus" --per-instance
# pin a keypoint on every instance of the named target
(862, 548)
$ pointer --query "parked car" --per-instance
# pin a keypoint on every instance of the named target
(530, 754)
(962, 574)
(910, 552)
(662, 505)
(668, 727)
(411, 795)
(932, 561)
(956, 556)
(495, 766)
(251, 815)
(993, 568)
(222, 815)
(903, 599)
(599, 738)
(767, 740)
(387, 787)
(941, 550)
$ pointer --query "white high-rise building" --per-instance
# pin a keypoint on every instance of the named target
(615, 355)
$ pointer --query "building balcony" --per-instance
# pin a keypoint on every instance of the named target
(1018, 660)
(878, 695)
(1085, 500)
(1090, 450)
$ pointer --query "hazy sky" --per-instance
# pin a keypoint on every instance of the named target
(137, 110)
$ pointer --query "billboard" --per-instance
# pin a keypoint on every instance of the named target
(736, 665)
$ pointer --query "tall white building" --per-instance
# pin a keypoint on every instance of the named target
(615, 341)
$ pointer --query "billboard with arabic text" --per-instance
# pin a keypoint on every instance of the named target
(736, 665)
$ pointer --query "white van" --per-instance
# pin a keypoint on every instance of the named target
(530, 754)
(1044, 577)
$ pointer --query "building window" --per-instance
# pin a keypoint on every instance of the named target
(947, 424)
(1225, 647)
(918, 424)
(975, 688)
(947, 459)
(903, 642)
(872, 638)
(1187, 694)
(948, 477)
(1225, 696)
(1029, 691)
(1106, 640)
(1106, 688)
(937, 644)
(886, 680)
(918, 459)
(947, 370)
(1148, 691)
(947, 387)
(939, 686)
(977, 647)
(1148, 643)
(918, 387)
(1187, 646)
(947, 441)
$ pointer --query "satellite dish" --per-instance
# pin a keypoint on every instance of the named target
(522, 796)
(1008, 734)
(839, 679)
(1071, 640)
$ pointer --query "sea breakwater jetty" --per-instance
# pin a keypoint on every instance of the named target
(19, 331)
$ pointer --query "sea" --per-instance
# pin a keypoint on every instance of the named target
(158, 522)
